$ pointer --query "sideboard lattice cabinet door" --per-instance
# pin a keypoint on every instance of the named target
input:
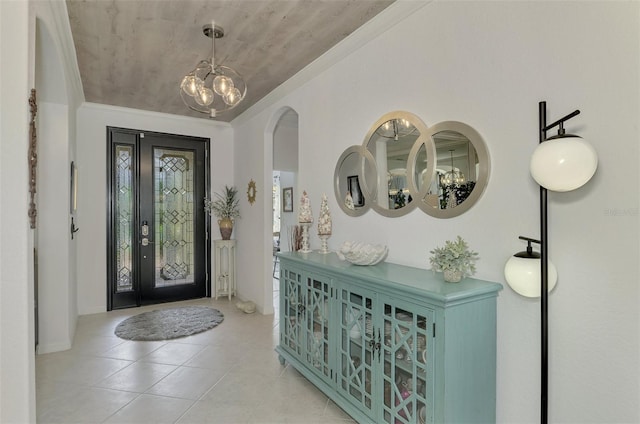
(356, 356)
(390, 343)
(292, 304)
(306, 309)
(316, 325)
(407, 333)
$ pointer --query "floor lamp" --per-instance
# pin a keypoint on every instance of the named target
(563, 162)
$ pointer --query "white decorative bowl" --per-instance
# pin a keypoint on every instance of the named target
(361, 253)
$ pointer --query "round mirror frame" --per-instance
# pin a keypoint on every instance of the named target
(371, 187)
(367, 166)
(482, 179)
(340, 195)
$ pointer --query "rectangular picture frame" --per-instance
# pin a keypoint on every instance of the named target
(287, 199)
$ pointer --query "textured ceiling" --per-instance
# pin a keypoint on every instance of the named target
(134, 53)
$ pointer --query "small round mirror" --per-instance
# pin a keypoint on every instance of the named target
(347, 182)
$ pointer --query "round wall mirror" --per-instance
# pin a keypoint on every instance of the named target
(403, 164)
(460, 174)
(388, 145)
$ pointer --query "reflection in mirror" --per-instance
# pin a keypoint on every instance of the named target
(456, 169)
(347, 186)
(388, 146)
(421, 175)
(391, 152)
(396, 128)
(461, 170)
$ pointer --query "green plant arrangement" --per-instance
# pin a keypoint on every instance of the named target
(455, 260)
(225, 207)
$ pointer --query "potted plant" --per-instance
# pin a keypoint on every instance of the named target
(225, 207)
(455, 260)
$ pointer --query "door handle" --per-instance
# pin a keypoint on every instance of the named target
(74, 229)
(144, 230)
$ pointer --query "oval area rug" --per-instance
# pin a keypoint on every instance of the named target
(165, 324)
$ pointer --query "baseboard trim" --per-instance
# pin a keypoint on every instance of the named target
(53, 347)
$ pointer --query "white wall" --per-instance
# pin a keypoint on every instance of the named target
(57, 305)
(285, 147)
(92, 122)
(56, 325)
(17, 363)
(488, 64)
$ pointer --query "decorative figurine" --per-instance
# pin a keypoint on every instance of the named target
(324, 224)
(305, 218)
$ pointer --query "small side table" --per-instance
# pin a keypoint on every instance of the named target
(224, 253)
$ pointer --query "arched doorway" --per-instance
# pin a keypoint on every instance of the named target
(283, 134)
(54, 274)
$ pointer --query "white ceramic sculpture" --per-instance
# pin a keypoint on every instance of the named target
(324, 220)
(305, 216)
(362, 253)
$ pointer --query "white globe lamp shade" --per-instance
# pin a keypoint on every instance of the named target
(564, 163)
(523, 275)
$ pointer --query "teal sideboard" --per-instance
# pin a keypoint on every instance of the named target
(390, 343)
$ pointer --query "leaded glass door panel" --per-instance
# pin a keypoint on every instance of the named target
(157, 225)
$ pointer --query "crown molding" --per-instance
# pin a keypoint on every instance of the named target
(155, 115)
(389, 17)
(62, 27)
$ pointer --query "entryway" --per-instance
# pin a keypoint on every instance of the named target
(284, 173)
(157, 230)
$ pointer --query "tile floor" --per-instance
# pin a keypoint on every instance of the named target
(229, 374)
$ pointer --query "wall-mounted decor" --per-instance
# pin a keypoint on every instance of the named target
(73, 189)
(32, 158)
(403, 164)
(287, 199)
(251, 191)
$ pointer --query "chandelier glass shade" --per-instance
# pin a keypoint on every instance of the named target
(453, 177)
(212, 88)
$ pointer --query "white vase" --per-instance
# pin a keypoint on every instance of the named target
(452, 275)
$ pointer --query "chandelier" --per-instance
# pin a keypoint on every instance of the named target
(453, 177)
(396, 128)
(212, 88)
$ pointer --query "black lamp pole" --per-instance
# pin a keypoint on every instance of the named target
(544, 266)
(544, 272)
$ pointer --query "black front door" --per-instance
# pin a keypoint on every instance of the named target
(157, 227)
